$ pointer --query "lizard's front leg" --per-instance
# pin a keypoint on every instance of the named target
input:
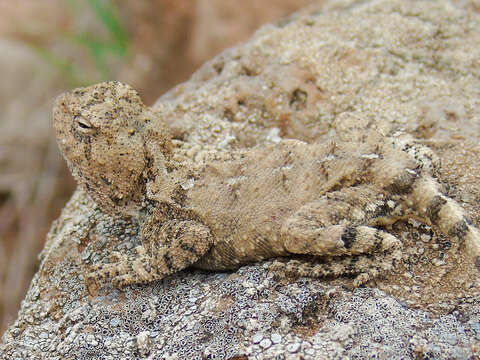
(167, 248)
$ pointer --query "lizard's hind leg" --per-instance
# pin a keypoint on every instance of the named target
(336, 227)
(339, 223)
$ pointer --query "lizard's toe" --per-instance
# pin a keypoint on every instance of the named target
(122, 281)
(103, 271)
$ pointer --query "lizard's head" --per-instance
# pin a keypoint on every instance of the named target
(101, 130)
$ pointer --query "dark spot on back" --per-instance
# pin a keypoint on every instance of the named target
(459, 230)
(383, 210)
(351, 267)
(403, 184)
(179, 196)
(168, 262)
(434, 208)
(378, 240)
(348, 236)
(298, 99)
(106, 181)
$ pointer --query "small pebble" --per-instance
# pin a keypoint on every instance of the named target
(276, 338)
(101, 242)
(265, 343)
(257, 338)
(293, 348)
(91, 340)
(86, 254)
(142, 338)
(115, 321)
(438, 262)
(476, 329)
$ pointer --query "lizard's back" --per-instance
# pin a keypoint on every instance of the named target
(245, 201)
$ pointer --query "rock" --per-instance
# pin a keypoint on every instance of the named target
(392, 64)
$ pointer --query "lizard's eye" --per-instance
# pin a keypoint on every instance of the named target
(84, 125)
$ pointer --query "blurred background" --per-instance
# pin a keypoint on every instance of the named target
(49, 46)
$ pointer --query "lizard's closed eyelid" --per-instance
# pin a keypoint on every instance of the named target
(83, 125)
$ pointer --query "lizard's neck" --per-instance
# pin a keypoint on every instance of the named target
(168, 181)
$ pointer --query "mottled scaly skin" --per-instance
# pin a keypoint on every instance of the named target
(218, 209)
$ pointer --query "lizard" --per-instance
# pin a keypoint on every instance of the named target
(217, 209)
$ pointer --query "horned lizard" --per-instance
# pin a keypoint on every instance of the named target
(217, 209)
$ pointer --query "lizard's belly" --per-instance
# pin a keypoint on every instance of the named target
(240, 239)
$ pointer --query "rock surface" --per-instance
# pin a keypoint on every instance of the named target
(392, 64)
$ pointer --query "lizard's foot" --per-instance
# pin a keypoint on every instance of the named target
(362, 268)
(125, 269)
(170, 247)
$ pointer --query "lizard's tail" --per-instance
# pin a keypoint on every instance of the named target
(447, 216)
